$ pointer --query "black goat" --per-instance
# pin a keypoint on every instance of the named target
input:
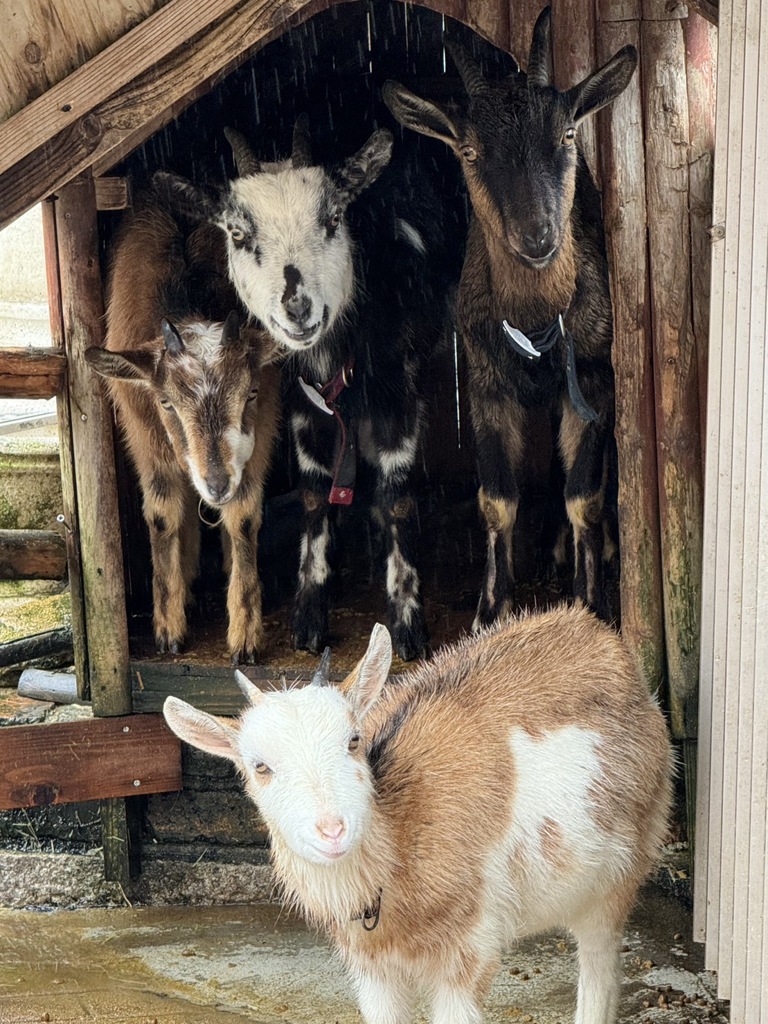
(534, 307)
(353, 290)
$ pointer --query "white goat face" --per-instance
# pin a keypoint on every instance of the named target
(305, 769)
(301, 754)
(290, 253)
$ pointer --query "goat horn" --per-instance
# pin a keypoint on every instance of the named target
(471, 75)
(246, 161)
(173, 343)
(248, 688)
(320, 678)
(301, 155)
(540, 69)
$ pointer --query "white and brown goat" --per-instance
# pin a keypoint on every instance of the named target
(198, 405)
(517, 783)
(534, 307)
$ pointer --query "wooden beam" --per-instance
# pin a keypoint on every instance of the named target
(92, 759)
(124, 118)
(98, 518)
(32, 555)
(54, 642)
(709, 9)
(124, 60)
(31, 372)
(113, 193)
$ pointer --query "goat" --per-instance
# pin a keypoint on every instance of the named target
(198, 405)
(516, 783)
(536, 263)
(357, 314)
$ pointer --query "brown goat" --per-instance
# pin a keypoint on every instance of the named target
(198, 407)
(534, 306)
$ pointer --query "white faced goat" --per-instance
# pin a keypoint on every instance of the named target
(519, 782)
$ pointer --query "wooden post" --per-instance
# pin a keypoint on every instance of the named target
(574, 51)
(622, 158)
(66, 457)
(102, 557)
(105, 621)
(675, 357)
(490, 20)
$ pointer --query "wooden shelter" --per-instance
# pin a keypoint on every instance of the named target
(85, 86)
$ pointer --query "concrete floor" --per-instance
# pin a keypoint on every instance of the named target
(168, 965)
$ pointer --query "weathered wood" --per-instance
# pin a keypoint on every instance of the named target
(39, 684)
(31, 372)
(701, 65)
(66, 103)
(66, 457)
(113, 193)
(91, 759)
(708, 9)
(121, 839)
(210, 688)
(675, 359)
(117, 125)
(624, 206)
(32, 555)
(490, 20)
(44, 40)
(41, 645)
(574, 49)
(93, 448)
(523, 17)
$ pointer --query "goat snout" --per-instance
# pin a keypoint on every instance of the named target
(331, 830)
(538, 239)
(217, 483)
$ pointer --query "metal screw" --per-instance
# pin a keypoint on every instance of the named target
(126, 728)
(137, 782)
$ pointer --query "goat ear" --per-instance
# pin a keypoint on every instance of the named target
(201, 730)
(301, 154)
(602, 87)
(136, 367)
(364, 684)
(174, 346)
(540, 71)
(231, 333)
(362, 169)
(420, 115)
(184, 198)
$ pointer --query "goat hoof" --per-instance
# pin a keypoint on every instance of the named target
(174, 647)
(245, 657)
(411, 643)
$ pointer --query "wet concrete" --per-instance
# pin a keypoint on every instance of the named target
(163, 965)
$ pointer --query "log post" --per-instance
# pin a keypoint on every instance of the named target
(622, 158)
(675, 355)
(96, 487)
(66, 456)
(575, 57)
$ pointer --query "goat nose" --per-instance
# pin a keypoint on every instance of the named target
(217, 482)
(331, 829)
(298, 309)
(538, 239)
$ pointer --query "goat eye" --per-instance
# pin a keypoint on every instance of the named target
(469, 153)
(253, 393)
(236, 234)
(333, 222)
(569, 135)
(354, 743)
(262, 769)
(165, 403)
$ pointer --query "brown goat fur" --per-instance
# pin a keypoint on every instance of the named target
(191, 398)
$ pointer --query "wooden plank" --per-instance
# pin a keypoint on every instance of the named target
(92, 759)
(675, 362)
(93, 448)
(210, 688)
(622, 158)
(44, 40)
(31, 372)
(32, 555)
(701, 71)
(117, 125)
(113, 193)
(66, 458)
(575, 54)
(56, 642)
(137, 51)
(490, 19)
(121, 839)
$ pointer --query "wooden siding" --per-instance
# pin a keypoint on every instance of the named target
(731, 889)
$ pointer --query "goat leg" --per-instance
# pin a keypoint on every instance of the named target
(310, 610)
(245, 631)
